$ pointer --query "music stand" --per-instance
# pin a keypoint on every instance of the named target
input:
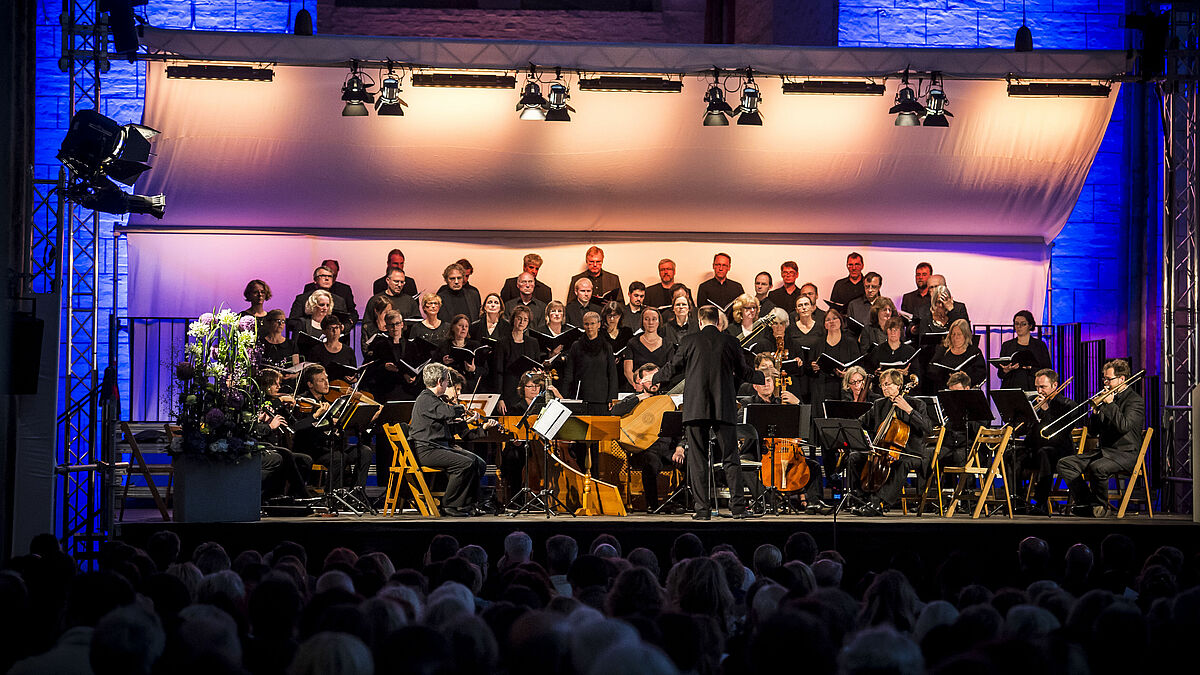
(965, 405)
(358, 416)
(842, 437)
(772, 421)
(845, 410)
(1014, 407)
(672, 427)
(549, 422)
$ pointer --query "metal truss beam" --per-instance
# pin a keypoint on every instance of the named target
(1180, 95)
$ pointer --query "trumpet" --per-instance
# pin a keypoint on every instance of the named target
(1080, 411)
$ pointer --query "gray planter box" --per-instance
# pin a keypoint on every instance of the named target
(217, 491)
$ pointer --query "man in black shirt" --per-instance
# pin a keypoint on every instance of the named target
(431, 433)
(720, 290)
(395, 260)
(457, 297)
(850, 286)
(336, 288)
(532, 263)
(396, 297)
(323, 279)
(809, 290)
(1040, 455)
(526, 283)
(632, 316)
(762, 293)
(605, 284)
(860, 308)
(785, 296)
(913, 299)
(659, 295)
(581, 303)
(319, 437)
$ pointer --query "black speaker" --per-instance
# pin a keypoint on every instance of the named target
(25, 359)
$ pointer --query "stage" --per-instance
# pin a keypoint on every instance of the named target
(866, 543)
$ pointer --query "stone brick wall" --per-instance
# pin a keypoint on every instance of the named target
(680, 21)
(1089, 262)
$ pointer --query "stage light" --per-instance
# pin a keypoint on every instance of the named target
(97, 150)
(836, 87)
(556, 103)
(466, 80)
(232, 73)
(389, 103)
(356, 94)
(718, 111)
(1024, 39)
(1059, 90)
(532, 105)
(653, 85)
(121, 25)
(747, 112)
(935, 103)
(908, 110)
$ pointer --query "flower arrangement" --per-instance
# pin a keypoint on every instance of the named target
(218, 396)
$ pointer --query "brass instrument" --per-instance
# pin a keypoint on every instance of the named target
(1080, 411)
(1042, 398)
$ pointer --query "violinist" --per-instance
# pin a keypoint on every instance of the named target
(1040, 455)
(1118, 420)
(1015, 375)
(752, 447)
(514, 355)
(907, 411)
(431, 431)
(320, 438)
(590, 372)
(491, 324)
(275, 347)
(281, 468)
(649, 347)
(472, 369)
(332, 350)
(662, 452)
(855, 388)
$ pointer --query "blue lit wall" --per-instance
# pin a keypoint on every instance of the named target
(1089, 261)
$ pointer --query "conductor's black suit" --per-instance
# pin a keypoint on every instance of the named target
(713, 367)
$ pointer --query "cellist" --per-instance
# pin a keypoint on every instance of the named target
(908, 411)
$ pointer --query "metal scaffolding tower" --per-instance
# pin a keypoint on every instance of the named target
(1179, 93)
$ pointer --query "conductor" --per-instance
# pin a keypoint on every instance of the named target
(713, 367)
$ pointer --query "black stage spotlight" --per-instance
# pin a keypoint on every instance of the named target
(718, 111)
(935, 103)
(532, 105)
(1024, 40)
(121, 25)
(97, 150)
(908, 110)
(556, 103)
(356, 94)
(389, 102)
(747, 111)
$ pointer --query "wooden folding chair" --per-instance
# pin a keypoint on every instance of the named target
(1059, 490)
(935, 478)
(1139, 471)
(995, 440)
(138, 465)
(407, 471)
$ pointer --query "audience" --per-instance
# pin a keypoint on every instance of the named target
(562, 611)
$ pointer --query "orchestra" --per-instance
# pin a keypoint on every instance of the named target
(604, 348)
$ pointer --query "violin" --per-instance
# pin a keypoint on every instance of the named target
(890, 440)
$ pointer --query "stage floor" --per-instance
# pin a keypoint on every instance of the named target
(866, 543)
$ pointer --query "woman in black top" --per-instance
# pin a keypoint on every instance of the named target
(648, 347)
(803, 337)
(590, 372)
(491, 324)
(681, 321)
(374, 323)
(957, 352)
(471, 369)
(390, 379)
(332, 350)
(892, 351)
(257, 293)
(875, 332)
(516, 354)
(318, 306)
(276, 349)
(838, 346)
(430, 326)
(1016, 376)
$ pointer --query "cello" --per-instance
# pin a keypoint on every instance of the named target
(888, 445)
